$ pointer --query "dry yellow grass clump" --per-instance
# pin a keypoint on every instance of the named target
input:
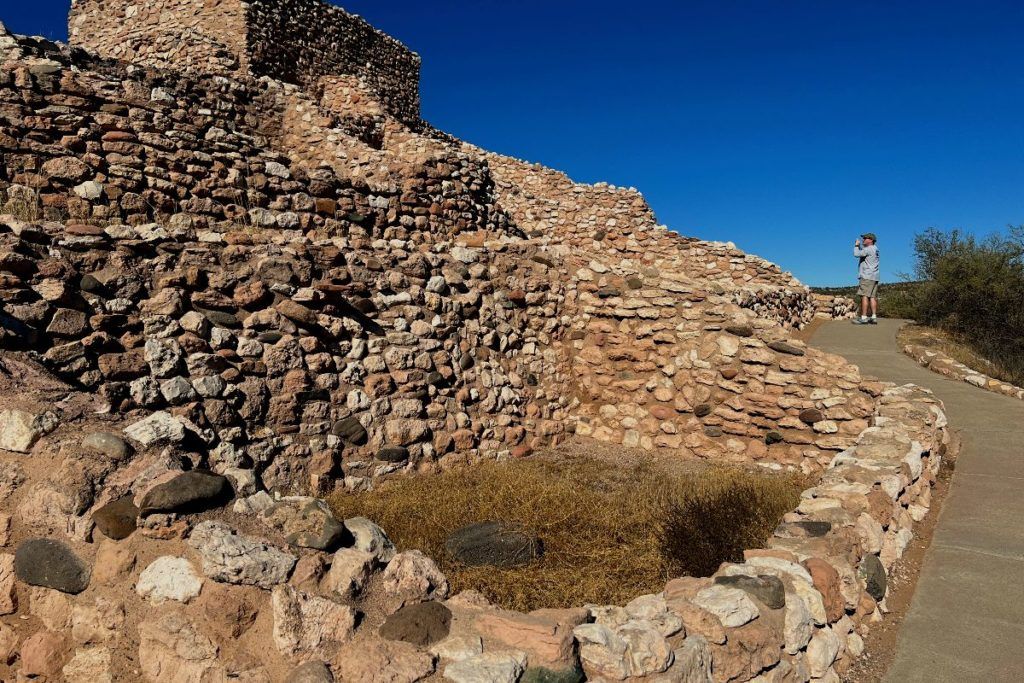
(610, 532)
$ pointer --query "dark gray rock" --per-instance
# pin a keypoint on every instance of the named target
(188, 492)
(540, 674)
(351, 430)
(50, 564)
(118, 519)
(393, 454)
(804, 529)
(768, 589)
(786, 347)
(740, 330)
(421, 624)
(110, 445)
(493, 544)
(703, 409)
(873, 573)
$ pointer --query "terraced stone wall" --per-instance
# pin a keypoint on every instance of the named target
(158, 251)
(294, 41)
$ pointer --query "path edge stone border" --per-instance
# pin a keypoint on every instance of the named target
(942, 364)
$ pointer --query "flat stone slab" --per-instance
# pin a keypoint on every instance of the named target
(732, 606)
(493, 544)
(768, 589)
(50, 564)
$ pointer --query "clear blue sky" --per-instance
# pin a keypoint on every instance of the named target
(786, 127)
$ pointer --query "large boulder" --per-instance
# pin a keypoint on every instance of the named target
(493, 544)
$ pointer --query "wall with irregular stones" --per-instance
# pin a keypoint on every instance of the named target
(358, 216)
(283, 310)
(206, 36)
(106, 573)
(294, 41)
(242, 288)
(283, 44)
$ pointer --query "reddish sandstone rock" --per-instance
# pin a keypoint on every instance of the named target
(545, 635)
(826, 580)
(43, 654)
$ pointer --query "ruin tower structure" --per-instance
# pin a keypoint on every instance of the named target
(294, 41)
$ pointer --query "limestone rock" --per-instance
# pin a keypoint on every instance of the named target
(307, 523)
(158, 428)
(89, 665)
(43, 654)
(169, 578)
(413, 577)
(19, 430)
(230, 557)
(731, 605)
(370, 538)
(489, 667)
(309, 625)
(350, 570)
(173, 650)
(375, 660)
(8, 589)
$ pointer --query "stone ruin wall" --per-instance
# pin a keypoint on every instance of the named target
(321, 311)
(208, 37)
(273, 38)
(239, 170)
(289, 319)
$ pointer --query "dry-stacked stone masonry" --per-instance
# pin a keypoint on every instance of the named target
(294, 41)
(231, 293)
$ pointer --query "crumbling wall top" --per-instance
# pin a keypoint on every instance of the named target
(295, 41)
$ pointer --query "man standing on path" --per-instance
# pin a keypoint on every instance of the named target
(868, 274)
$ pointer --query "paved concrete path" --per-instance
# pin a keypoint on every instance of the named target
(966, 620)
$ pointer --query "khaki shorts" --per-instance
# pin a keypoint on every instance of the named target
(868, 288)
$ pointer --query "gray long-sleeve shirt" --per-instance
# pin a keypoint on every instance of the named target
(868, 262)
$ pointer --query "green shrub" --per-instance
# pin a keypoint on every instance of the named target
(974, 290)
